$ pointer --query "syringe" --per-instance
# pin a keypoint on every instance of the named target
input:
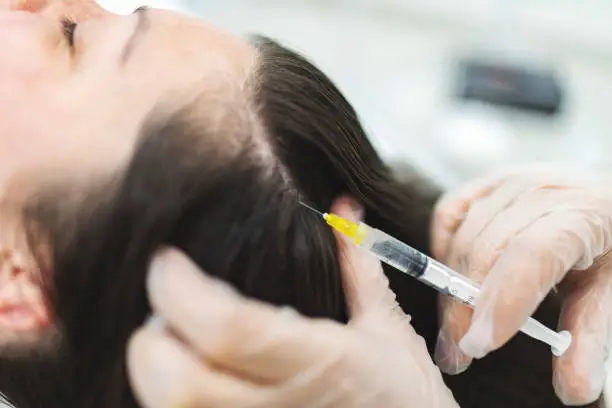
(431, 272)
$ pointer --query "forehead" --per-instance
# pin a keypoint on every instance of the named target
(192, 47)
(196, 65)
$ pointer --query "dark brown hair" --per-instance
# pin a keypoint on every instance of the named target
(238, 218)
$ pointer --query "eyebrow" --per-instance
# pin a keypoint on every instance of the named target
(141, 27)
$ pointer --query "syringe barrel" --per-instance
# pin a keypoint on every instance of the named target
(442, 278)
(392, 251)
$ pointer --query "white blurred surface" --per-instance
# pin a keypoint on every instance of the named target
(127, 6)
(394, 60)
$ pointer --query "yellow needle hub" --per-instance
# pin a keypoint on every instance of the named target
(345, 227)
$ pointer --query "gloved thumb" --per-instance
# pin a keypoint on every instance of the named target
(365, 285)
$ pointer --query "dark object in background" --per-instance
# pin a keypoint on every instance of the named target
(503, 84)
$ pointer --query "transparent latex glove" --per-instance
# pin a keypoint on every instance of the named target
(220, 350)
(520, 234)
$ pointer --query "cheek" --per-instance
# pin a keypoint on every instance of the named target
(32, 52)
(31, 67)
(49, 133)
(26, 138)
(20, 58)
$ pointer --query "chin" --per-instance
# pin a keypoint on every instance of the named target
(25, 343)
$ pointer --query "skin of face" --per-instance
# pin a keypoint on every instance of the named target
(71, 109)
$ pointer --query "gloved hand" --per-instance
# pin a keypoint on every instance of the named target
(521, 234)
(222, 350)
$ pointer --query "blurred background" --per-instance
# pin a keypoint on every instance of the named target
(402, 64)
(457, 88)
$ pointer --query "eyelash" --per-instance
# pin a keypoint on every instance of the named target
(69, 27)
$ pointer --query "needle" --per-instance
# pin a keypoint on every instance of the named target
(303, 204)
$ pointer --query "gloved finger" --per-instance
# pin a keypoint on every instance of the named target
(479, 240)
(580, 374)
(533, 262)
(366, 287)
(455, 319)
(451, 210)
(485, 250)
(503, 228)
(449, 218)
(487, 199)
(254, 339)
(478, 218)
(164, 373)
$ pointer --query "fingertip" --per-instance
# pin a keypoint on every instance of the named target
(440, 239)
(161, 371)
(143, 343)
(134, 346)
(455, 321)
(579, 387)
(348, 207)
(479, 339)
(449, 214)
(448, 356)
(443, 224)
(140, 349)
(506, 301)
(175, 281)
(165, 263)
(164, 257)
(579, 375)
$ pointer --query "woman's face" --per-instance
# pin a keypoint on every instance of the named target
(72, 99)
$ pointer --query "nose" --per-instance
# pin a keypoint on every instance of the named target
(77, 10)
(27, 5)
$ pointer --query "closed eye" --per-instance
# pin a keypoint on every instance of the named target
(69, 28)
